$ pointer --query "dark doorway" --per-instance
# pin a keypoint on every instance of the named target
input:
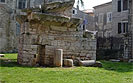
(41, 55)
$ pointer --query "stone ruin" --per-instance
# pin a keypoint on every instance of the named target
(49, 35)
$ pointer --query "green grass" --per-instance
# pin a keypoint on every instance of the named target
(119, 72)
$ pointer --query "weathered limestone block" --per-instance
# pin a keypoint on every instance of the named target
(2, 55)
(88, 34)
(68, 62)
(49, 50)
(55, 28)
(61, 7)
(58, 59)
(87, 63)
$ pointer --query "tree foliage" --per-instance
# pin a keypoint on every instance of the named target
(80, 2)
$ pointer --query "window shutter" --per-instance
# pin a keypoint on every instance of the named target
(119, 28)
(119, 6)
(125, 4)
(126, 27)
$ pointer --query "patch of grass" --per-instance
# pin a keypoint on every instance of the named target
(11, 56)
(11, 72)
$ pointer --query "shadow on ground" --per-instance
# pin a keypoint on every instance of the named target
(117, 66)
(107, 65)
(11, 63)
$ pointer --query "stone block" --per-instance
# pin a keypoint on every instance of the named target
(87, 63)
(68, 62)
(130, 61)
(2, 55)
(55, 28)
(34, 46)
(58, 58)
(50, 50)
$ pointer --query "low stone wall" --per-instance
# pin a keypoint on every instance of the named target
(42, 34)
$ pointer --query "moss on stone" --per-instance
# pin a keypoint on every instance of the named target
(21, 18)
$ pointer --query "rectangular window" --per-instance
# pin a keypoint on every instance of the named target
(122, 27)
(109, 17)
(100, 18)
(74, 11)
(3, 1)
(119, 6)
(125, 27)
(22, 4)
(125, 4)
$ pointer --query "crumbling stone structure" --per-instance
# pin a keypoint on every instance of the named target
(43, 33)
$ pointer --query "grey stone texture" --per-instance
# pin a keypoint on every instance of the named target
(8, 37)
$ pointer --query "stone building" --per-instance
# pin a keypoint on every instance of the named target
(86, 17)
(120, 17)
(120, 27)
(128, 51)
(112, 18)
(8, 33)
(43, 33)
(103, 19)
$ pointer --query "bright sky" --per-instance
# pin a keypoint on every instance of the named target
(89, 4)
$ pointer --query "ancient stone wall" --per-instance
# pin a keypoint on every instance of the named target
(42, 34)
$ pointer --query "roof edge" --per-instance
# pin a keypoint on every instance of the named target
(102, 4)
